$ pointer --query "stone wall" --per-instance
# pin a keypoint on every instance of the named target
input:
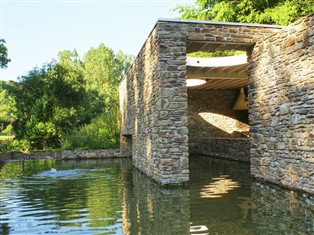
(281, 109)
(61, 155)
(214, 128)
(139, 93)
(237, 149)
(231, 33)
(172, 104)
(154, 99)
(202, 102)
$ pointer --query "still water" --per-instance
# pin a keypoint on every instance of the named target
(110, 197)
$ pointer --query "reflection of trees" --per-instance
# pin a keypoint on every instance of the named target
(90, 198)
(15, 170)
(102, 198)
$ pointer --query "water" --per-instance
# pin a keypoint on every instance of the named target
(110, 197)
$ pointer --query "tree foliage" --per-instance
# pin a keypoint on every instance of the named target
(61, 98)
(50, 101)
(281, 12)
(7, 106)
(4, 60)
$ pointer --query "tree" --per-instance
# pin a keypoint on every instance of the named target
(50, 102)
(61, 98)
(4, 60)
(7, 107)
(103, 71)
(281, 12)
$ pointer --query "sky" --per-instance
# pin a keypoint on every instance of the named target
(36, 30)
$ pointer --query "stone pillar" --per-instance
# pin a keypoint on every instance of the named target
(172, 104)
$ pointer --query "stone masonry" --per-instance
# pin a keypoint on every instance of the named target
(281, 110)
(224, 137)
(154, 96)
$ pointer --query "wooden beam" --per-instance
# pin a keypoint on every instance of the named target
(217, 75)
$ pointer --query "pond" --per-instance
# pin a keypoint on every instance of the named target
(111, 197)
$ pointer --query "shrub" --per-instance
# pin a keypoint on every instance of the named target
(101, 133)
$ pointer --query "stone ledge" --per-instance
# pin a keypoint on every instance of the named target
(61, 155)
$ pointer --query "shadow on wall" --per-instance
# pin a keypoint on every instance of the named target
(211, 115)
(227, 124)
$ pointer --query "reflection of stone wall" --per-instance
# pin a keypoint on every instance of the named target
(281, 95)
(278, 211)
(147, 209)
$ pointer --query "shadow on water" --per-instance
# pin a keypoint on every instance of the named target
(110, 197)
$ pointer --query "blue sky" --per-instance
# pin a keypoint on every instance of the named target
(36, 30)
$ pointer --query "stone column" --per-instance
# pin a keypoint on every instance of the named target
(172, 104)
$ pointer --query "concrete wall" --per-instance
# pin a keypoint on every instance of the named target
(281, 111)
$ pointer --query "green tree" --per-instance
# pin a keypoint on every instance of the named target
(50, 102)
(4, 60)
(62, 98)
(103, 71)
(281, 12)
(7, 106)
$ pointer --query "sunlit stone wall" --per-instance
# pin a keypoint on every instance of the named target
(281, 112)
(154, 98)
(153, 105)
(215, 129)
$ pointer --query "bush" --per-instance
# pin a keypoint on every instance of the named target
(8, 130)
(15, 145)
(101, 133)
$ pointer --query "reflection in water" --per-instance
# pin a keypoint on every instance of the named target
(147, 209)
(279, 211)
(221, 213)
(110, 197)
(220, 186)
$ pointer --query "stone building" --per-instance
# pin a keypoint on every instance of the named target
(163, 120)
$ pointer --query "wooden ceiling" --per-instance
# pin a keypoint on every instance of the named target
(194, 46)
(218, 77)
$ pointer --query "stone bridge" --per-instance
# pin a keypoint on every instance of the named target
(164, 120)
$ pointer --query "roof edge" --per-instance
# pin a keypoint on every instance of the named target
(219, 23)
